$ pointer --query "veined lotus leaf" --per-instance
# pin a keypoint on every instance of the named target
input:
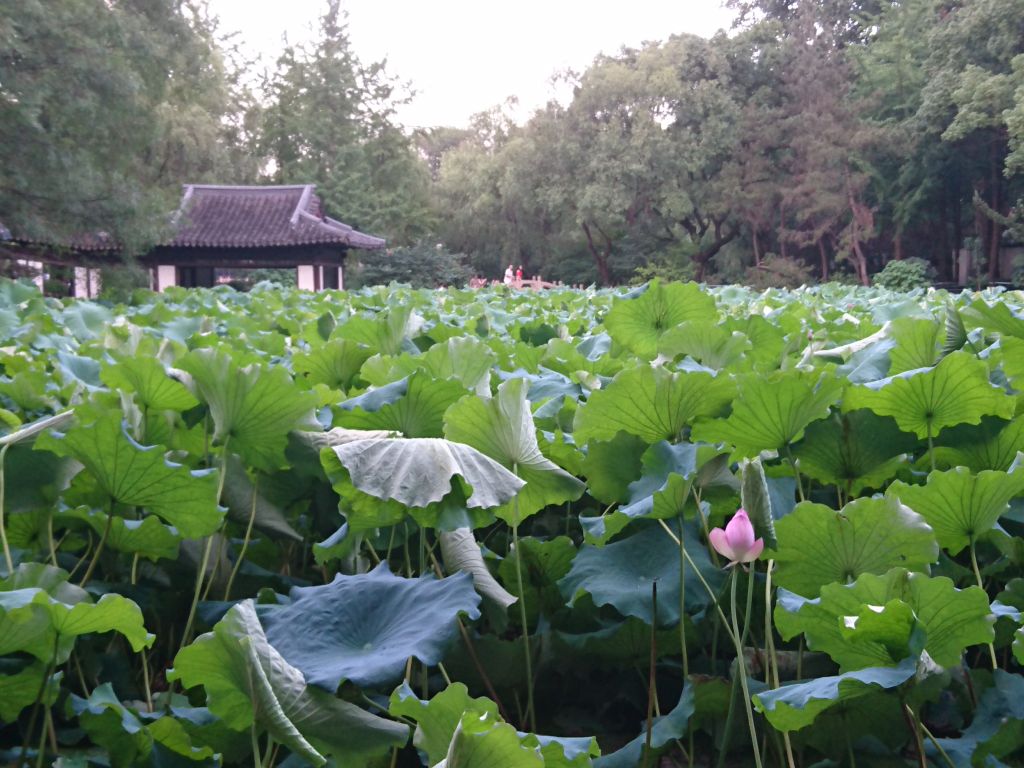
(997, 728)
(502, 428)
(853, 451)
(772, 411)
(796, 705)
(437, 719)
(416, 412)
(148, 379)
(148, 537)
(638, 320)
(953, 619)
(123, 733)
(22, 689)
(464, 359)
(661, 492)
(652, 404)
(955, 332)
(140, 476)
(1012, 361)
(992, 444)
(666, 729)
(620, 574)
(819, 546)
(926, 401)
(461, 552)
(253, 407)
(611, 465)
(705, 341)
(756, 499)
(416, 472)
(78, 371)
(387, 333)
(917, 344)
(483, 741)
(41, 614)
(958, 505)
(335, 363)
(247, 680)
(544, 563)
(996, 317)
(364, 628)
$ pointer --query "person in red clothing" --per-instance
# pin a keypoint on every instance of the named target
(519, 275)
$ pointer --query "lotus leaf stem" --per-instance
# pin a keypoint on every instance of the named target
(99, 547)
(942, 753)
(682, 601)
(3, 531)
(981, 586)
(741, 665)
(245, 541)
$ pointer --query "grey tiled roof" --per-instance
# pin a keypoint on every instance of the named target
(246, 217)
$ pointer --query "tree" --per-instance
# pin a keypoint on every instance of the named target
(329, 120)
(105, 109)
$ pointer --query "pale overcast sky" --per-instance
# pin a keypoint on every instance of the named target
(465, 56)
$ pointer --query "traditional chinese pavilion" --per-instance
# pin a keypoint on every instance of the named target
(218, 228)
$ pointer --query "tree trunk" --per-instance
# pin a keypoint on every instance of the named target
(757, 245)
(862, 262)
(995, 230)
(600, 259)
(824, 259)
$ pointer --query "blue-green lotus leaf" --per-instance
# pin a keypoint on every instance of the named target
(795, 706)
(664, 731)
(621, 574)
(997, 727)
(364, 628)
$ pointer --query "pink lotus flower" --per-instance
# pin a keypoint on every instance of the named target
(736, 541)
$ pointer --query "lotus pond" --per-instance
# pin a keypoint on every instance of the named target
(473, 528)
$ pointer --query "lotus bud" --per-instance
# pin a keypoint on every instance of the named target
(736, 541)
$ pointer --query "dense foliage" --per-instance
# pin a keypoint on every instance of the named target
(395, 526)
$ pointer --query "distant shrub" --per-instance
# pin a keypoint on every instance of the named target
(779, 272)
(664, 268)
(118, 284)
(905, 275)
(421, 266)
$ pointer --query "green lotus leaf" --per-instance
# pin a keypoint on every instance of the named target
(639, 320)
(705, 341)
(772, 411)
(796, 705)
(253, 407)
(996, 317)
(917, 344)
(140, 476)
(22, 689)
(244, 500)
(417, 472)
(621, 574)
(543, 563)
(148, 537)
(819, 546)
(956, 391)
(611, 465)
(661, 492)
(365, 627)
(623, 644)
(997, 728)
(335, 363)
(652, 404)
(148, 379)
(502, 428)
(413, 410)
(460, 551)
(387, 333)
(79, 372)
(1012, 361)
(248, 681)
(953, 619)
(483, 741)
(464, 359)
(126, 736)
(436, 720)
(958, 505)
(563, 751)
(756, 499)
(665, 730)
(992, 444)
(41, 614)
(853, 451)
